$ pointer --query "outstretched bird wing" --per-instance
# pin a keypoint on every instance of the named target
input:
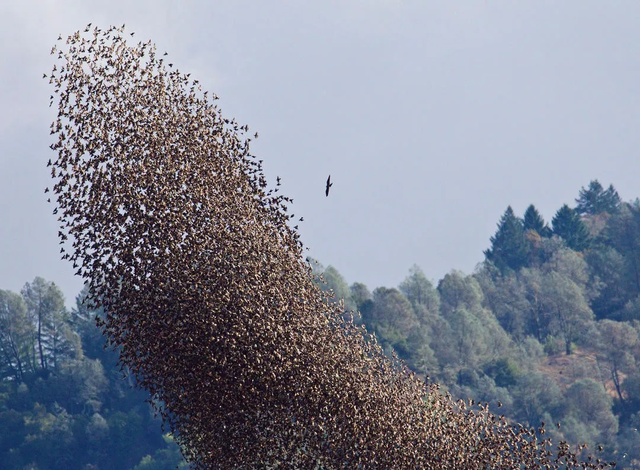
(329, 184)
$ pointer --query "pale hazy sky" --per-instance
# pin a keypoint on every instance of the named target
(430, 116)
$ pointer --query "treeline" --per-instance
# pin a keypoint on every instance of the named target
(63, 401)
(546, 330)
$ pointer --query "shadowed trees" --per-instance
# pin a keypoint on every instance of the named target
(596, 200)
(509, 248)
(16, 337)
(534, 221)
(34, 331)
(568, 226)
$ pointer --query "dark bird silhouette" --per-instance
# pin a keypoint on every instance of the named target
(329, 184)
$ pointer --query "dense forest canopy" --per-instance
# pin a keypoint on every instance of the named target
(199, 283)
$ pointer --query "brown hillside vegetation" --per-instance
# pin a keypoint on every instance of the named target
(208, 295)
(564, 369)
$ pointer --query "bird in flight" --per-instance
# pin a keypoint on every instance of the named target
(329, 184)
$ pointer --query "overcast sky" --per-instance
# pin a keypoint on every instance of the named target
(430, 116)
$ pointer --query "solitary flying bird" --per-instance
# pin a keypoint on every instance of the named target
(329, 184)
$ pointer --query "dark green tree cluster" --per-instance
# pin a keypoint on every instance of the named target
(596, 200)
(602, 229)
(63, 402)
(568, 225)
(509, 247)
(519, 242)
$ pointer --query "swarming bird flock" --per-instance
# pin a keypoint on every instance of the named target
(207, 293)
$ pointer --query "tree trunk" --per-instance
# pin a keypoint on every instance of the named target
(40, 349)
(16, 352)
(616, 381)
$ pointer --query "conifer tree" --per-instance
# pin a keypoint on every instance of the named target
(568, 225)
(596, 200)
(509, 248)
(534, 221)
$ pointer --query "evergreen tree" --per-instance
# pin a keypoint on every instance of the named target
(45, 309)
(509, 248)
(568, 225)
(15, 334)
(596, 200)
(623, 232)
(534, 221)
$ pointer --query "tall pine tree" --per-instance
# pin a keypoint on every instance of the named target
(534, 221)
(568, 225)
(509, 248)
(596, 200)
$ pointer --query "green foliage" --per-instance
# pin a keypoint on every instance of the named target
(55, 339)
(419, 354)
(623, 234)
(420, 292)
(570, 280)
(73, 414)
(509, 248)
(392, 310)
(392, 319)
(339, 287)
(506, 297)
(607, 270)
(503, 371)
(554, 345)
(565, 308)
(16, 337)
(533, 396)
(534, 221)
(617, 342)
(360, 294)
(589, 403)
(452, 333)
(459, 291)
(168, 458)
(631, 390)
(596, 200)
(568, 225)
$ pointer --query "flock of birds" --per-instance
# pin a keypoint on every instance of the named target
(167, 216)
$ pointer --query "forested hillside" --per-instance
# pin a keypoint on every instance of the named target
(64, 403)
(546, 331)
